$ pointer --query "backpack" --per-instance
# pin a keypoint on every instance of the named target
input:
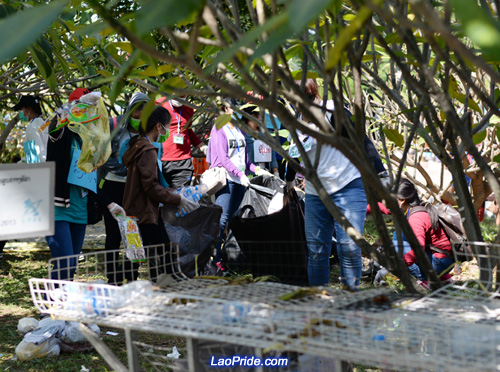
(450, 221)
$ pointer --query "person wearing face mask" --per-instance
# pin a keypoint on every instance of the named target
(227, 149)
(177, 164)
(423, 218)
(111, 179)
(35, 144)
(143, 191)
(71, 199)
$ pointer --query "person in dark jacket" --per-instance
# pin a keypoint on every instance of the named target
(111, 178)
(143, 191)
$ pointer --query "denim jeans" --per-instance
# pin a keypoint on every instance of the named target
(414, 269)
(320, 227)
(440, 265)
(66, 241)
(229, 198)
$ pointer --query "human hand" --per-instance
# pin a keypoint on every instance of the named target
(186, 206)
(261, 172)
(245, 181)
(379, 278)
(116, 210)
(204, 149)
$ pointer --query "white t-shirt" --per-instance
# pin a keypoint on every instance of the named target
(334, 170)
(236, 151)
(33, 133)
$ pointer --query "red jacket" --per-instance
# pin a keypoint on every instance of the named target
(420, 223)
(180, 118)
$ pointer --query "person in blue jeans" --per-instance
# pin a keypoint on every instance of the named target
(227, 149)
(424, 220)
(342, 181)
(71, 214)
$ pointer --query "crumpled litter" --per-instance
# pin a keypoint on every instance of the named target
(174, 354)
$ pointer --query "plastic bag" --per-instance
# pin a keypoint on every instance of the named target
(195, 233)
(27, 350)
(88, 118)
(131, 238)
(72, 334)
(47, 328)
(26, 325)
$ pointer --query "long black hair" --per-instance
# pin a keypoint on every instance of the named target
(159, 115)
(408, 192)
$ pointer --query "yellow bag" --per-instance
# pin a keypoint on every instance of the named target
(88, 118)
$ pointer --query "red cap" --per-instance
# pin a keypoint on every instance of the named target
(77, 93)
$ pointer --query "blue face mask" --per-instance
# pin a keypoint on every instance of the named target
(23, 117)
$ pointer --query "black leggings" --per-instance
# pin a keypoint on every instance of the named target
(158, 257)
(117, 270)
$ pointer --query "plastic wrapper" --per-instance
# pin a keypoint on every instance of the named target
(26, 325)
(27, 350)
(131, 238)
(88, 118)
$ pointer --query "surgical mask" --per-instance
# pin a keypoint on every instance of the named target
(175, 103)
(23, 117)
(163, 137)
(135, 123)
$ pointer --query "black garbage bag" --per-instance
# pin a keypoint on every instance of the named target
(259, 195)
(273, 244)
(273, 183)
(196, 234)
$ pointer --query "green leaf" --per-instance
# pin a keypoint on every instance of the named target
(297, 75)
(345, 37)
(21, 30)
(479, 26)
(157, 71)
(394, 136)
(158, 13)
(174, 82)
(292, 25)
(222, 120)
(478, 137)
(44, 66)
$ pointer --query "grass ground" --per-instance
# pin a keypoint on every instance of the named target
(30, 260)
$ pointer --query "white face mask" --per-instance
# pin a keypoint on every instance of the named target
(175, 103)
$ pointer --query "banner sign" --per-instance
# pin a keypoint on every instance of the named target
(26, 200)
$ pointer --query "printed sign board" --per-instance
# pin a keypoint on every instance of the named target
(26, 200)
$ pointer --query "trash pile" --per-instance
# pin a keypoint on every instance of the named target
(49, 337)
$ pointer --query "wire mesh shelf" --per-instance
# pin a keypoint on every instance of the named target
(452, 329)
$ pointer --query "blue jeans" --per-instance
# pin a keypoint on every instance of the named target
(229, 198)
(414, 269)
(320, 227)
(66, 241)
(440, 265)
